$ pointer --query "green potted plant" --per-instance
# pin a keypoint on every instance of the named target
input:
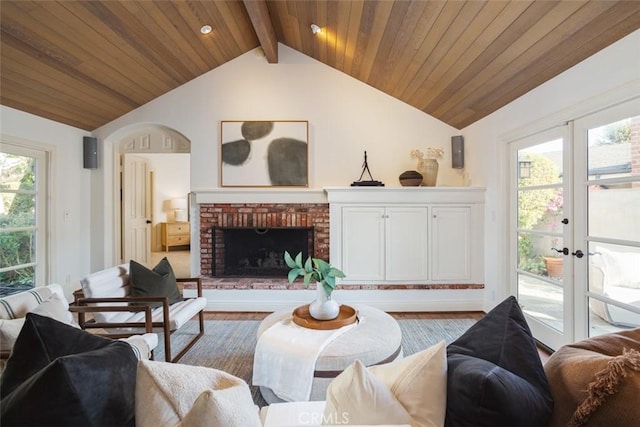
(324, 275)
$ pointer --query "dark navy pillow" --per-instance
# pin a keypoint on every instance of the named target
(495, 376)
(58, 375)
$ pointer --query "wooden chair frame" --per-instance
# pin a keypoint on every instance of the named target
(82, 305)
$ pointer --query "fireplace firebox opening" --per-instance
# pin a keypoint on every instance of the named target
(258, 252)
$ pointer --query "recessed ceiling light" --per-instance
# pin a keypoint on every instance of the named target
(315, 29)
(206, 29)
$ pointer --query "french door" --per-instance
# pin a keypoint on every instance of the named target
(575, 203)
(541, 231)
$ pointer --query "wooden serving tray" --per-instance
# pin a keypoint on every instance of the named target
(347, 316)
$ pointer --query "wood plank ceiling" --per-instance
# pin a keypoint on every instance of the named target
(85, 63)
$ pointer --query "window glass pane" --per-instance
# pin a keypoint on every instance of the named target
(612, 148)
(19, 210)
(15, 281)
(18, 247)
(17, 172)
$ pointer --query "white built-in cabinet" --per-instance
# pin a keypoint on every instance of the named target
(384, 243)
(418, 235)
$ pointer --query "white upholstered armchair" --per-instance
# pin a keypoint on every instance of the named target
(109, 288)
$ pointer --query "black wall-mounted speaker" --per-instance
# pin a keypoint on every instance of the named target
(90, 152)
(457, 152)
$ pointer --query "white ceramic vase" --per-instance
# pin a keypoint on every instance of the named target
(429, 170)
(323, 307)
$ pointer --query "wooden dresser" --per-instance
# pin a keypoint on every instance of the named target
(175, 234)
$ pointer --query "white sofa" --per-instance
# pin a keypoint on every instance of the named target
(615, 275)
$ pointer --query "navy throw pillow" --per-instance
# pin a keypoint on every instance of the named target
(58, 375)
(495, 376)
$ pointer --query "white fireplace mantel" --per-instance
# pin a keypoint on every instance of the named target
(342, 194)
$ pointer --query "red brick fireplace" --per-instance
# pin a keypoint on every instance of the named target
(259, 216)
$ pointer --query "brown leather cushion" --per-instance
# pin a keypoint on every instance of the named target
(581, 373)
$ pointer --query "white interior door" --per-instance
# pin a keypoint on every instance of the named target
(136, 209)
(542, 227)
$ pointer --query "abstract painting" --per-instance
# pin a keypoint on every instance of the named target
(264, 153)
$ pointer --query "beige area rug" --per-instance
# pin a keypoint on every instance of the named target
(228, 345)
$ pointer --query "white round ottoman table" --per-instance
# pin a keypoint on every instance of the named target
(376, 339)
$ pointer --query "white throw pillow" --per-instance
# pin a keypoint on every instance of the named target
(172, 394)
(53, 307)
(9, 331)
(357, 396)
(620, 268)
(418, 383)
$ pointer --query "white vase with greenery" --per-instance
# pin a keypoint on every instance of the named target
(324, 307)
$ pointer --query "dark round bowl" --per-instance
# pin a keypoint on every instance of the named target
(410, 179)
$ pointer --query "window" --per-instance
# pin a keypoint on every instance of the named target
(23, 253)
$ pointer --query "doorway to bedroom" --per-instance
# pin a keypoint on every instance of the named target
(154, 203)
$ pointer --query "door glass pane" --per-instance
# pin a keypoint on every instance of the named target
(541, 300)
(612, 148)
(614, 273)
(614, 213)
(614, 152)
(540, 232)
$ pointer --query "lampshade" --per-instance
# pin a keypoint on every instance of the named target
(178, 203)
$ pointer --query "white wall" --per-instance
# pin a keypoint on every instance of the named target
(70, 234)
(346, 117)
(606, 78)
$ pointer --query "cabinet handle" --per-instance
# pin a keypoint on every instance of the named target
(435, 216)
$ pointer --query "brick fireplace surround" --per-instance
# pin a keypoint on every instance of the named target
(265, 215)
(258, 215)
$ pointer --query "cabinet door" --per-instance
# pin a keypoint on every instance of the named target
(362, 243)
(451, 243)
(407, 243)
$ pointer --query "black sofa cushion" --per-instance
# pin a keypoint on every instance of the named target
(495, 376)
(159, 282)
(58, 375)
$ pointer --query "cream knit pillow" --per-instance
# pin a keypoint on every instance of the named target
(171, 394)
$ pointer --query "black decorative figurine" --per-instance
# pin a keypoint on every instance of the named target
(371, 182)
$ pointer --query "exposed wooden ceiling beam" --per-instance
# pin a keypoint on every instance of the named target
(261, 20)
